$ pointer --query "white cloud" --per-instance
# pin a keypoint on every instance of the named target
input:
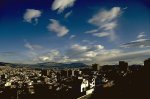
(84, 53)
(79, 48)
(106, 21)
(52, 55)
(60, 5)
(109, 26)
(120, 55)
(92, 31)
(141, 35)
(68, 14)
(31, 14)
(77, 51)
(105, 16)
(37, 53)
(103, 34)
(56, 27)
(140, 43)
(72, 36)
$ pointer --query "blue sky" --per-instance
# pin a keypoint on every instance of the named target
(88, 31)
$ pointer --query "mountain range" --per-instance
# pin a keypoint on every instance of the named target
(46, 65)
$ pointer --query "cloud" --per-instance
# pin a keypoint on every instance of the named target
(92, 31)
(60, 5)
(140, 43)
(37, 53)
(89, 42)
(31, 14)
(79, 51)
(57, 28)
(98, 54)
(141, 35)
(105, 16)
(52, 55)
(115, 57)
(102, 34)
(32, 47)
(109, 26)
(94, 53)
(68, 14)
(72, 36)
(106, 21)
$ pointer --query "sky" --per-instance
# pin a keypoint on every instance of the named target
(87, 31)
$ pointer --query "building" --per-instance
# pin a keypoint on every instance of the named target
(147, 62)
(95, 67)
(146, 66)
(123, 66)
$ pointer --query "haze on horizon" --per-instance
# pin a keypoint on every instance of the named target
(87, 31)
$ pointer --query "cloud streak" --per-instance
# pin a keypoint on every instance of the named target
(140, 43)
(68, 14)
(134, 55)
(106, 21)
(57, 28)
(61, 5)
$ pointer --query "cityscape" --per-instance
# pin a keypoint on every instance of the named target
(91, 82)
(74, 49)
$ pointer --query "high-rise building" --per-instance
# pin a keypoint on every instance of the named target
(95, 67)
(146, 66)
(123, 65)
(147, 62)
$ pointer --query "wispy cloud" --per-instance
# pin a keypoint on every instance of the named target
(141, 35)
(105, 16)
(72, 36)
(102, 34)
(68, 14)
(32, 47)
(57, 28)
(51, 56)
(140, 42)
(92, 31)
(60, 5)
(120, 55)
(83, 53)
(106, 21)
(32, 14)
(77, 51)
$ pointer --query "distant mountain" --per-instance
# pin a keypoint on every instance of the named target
(46, 65)
(60, 65)
(2, 64)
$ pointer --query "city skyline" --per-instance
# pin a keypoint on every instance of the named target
(91, 31)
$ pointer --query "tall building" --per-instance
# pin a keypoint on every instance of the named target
(147, 62)
(123, 65)
(146, 68)
(95, 67)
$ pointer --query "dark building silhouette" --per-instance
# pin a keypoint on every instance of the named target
(64, 73)
(146, 68)
(147, 62)
(95, 67)
(123, 66)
